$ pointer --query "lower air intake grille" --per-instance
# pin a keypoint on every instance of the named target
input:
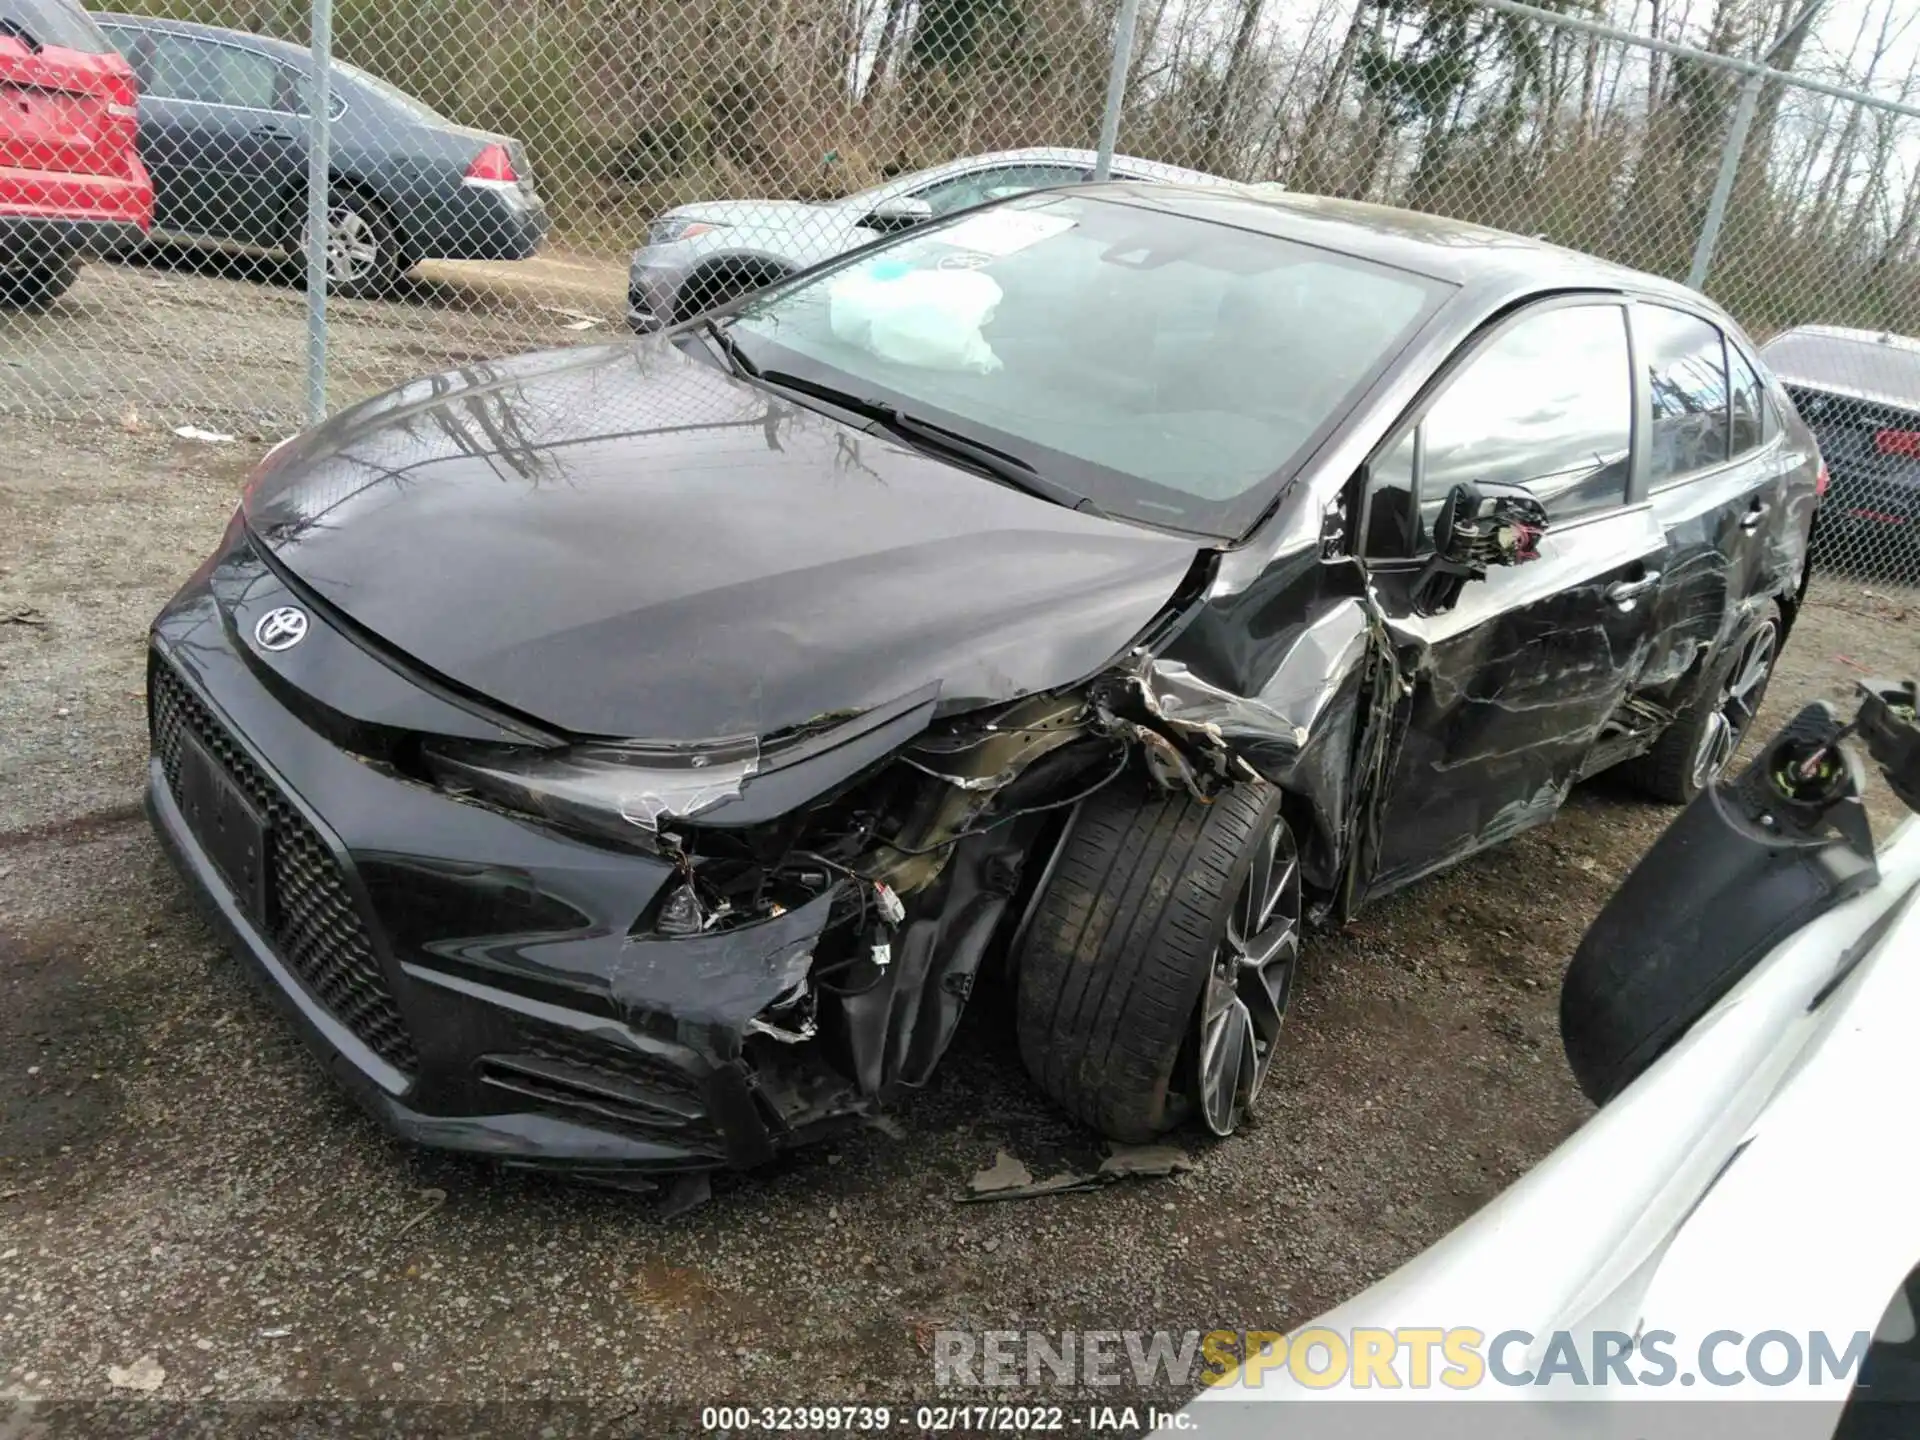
(312, 922)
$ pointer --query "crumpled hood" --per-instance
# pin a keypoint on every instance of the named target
(624, 541)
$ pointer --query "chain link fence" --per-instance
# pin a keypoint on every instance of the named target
(497, 164)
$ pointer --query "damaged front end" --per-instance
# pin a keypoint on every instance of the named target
(626, 960)
(836, 892)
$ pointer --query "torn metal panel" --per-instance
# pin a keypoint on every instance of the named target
(1273, 680)
(723, 978)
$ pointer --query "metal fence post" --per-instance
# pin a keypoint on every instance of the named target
(319, 123)
(1116, 87)
(1723, 182)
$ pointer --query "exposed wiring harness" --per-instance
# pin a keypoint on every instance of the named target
(1105, 780)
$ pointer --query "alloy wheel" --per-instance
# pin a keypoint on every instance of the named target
(1248, 984)
(1734, 709)
(353, 245)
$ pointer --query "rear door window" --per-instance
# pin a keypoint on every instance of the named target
(1685, 361)
(183, 67)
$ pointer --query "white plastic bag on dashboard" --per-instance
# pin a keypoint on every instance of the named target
(927, 318)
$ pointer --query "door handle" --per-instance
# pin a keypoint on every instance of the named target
(270, 132)
(1750, 521)
(1624, 592)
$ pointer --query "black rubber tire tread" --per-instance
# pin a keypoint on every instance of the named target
(1666, 771)
(1119, 946)
(38, 285)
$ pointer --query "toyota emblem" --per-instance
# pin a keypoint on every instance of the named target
(282, 628)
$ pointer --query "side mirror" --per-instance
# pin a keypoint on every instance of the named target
(901, 212)
(1479, 526)
(1485, 525)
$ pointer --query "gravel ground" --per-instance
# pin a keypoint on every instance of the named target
(179, 1182)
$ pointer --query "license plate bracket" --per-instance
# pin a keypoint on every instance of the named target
(230, 827)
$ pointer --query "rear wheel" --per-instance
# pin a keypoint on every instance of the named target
(362, 248)
(1160, 959)
(1699, 745)
(37, 283)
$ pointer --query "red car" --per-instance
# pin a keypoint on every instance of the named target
(71, 181)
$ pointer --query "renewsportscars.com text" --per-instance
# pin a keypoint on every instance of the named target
(1411, 1357)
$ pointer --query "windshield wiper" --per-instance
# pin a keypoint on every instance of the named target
(729, 348)
(926, 435)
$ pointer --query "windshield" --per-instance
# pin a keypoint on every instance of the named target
(1164, 367)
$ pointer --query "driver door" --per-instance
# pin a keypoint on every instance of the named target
(1509, 687)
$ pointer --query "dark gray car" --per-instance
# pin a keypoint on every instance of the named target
(224, 117)
(1860, 391)
(628, 758)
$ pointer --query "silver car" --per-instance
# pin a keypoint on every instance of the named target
(704, 254)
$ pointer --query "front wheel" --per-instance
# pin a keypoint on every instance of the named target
(1160, 959)
(362, 248)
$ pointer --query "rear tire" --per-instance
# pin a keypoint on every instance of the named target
(1138, 925)
(38, 283)
(1703, 739)
(364, 261)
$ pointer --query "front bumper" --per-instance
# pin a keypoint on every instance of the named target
(651, 292)
(472, 979)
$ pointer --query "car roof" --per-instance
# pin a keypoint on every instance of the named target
(1155, 170)
(1433, 245)
(285, 50)
(1865, 364)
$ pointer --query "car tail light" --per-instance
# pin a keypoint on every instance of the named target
(1821, 483)
(492, 168)
(1897, 442)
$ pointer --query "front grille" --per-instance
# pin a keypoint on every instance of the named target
(311, 919)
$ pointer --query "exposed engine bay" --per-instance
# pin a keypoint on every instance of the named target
(914, 868)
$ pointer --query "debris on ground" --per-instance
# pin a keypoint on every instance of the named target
(1145, 1161)
(580, 319)
(210, 437)
(144, 1375)
(22, 615)
(435, 1199)
(1008, 1179)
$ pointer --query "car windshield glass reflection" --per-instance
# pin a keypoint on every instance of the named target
(1166, 368)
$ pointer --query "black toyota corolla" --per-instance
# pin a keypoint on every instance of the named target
(627, 759)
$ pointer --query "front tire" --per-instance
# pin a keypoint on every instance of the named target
(1157, 968)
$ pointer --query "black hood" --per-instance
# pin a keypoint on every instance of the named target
(625, 541)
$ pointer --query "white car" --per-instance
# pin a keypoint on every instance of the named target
(706, 253)
(1737, 1224)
